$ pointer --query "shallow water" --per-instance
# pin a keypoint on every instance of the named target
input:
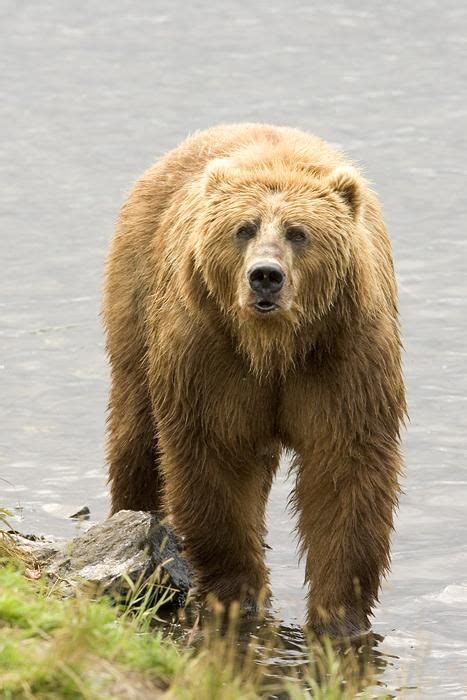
(91, 95)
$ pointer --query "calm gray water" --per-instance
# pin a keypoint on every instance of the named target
(91, 94)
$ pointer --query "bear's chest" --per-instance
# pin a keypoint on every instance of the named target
(240, 408)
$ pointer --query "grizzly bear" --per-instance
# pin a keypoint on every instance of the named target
(250, 307)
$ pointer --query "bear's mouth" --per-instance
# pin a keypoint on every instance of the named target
(265, 306)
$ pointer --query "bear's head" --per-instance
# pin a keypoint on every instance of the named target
(278, 244)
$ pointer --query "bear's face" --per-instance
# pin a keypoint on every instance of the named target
(274, 248)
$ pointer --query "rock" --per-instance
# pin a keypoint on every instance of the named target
(42, 549)
(131, 544)
(82, 514)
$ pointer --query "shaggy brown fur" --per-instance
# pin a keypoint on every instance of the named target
(206, 390)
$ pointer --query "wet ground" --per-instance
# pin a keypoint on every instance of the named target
(90, 95)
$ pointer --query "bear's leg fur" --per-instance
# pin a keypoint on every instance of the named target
(134, 474)
(342, 420)
(345, 499)
(218, 502)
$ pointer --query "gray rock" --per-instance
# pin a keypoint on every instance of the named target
(41, 548)
(82, 514)
(131, 544)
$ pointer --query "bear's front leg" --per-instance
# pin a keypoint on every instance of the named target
(342, 419)
(217, 501)
(345, 495)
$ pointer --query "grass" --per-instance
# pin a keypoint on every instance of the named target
(88, 648)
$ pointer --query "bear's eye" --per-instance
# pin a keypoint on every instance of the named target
(246, 231)
(296, 234)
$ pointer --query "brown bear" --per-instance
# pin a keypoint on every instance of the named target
(250, 306)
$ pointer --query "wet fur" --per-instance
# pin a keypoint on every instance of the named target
(205, 395)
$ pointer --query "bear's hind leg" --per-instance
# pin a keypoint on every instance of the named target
(134, 474)
(132, 455)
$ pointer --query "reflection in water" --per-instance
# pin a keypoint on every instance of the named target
(272, 651)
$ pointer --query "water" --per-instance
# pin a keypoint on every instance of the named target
(90, 96)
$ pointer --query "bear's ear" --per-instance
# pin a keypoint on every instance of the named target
(345, 180)
(216, 174)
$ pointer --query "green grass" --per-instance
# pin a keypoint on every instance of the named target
(91, 648)
(52, 648)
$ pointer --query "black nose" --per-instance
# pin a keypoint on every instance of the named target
(266, 279)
